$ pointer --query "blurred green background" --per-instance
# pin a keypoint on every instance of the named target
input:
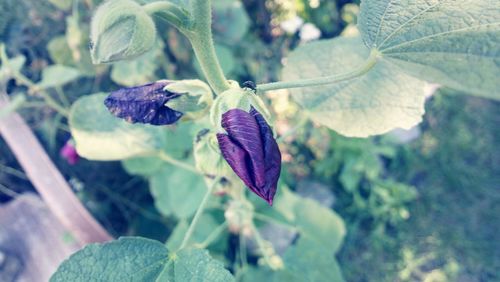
(419, 205)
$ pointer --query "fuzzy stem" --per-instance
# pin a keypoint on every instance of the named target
(200, 36)
(311, 82)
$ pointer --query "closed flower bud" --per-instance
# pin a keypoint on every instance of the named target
(144, 104)
(236, 98)
(121, 29)
(251, 150)
(195, 100)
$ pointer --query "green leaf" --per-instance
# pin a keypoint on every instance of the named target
(313, 221)
(177, 191)
(126, 259)
(309, 261)
(379, 101)
(195, 265)
(142, 165)
(101, 136)
(139, 259)
(451, 42)
(57, 75)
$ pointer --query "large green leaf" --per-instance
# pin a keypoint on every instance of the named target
(309, 261)
(314, 222)
(101, 136)
(451, 42)
(139, 259)
(177, 191)
(375, 103)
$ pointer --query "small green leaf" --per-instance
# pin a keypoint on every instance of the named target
(57, 75)
(101, 136)
(451, 42)
(375, 103)
(139, 259)
(177, 191)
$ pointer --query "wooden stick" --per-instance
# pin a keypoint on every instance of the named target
(47, 179)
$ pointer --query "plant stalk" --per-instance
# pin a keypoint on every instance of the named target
(200, 36)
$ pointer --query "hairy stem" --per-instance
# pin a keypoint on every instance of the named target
(200, 36)
(311, 82)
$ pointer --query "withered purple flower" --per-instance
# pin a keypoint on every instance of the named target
(251, 151)
(144, 104)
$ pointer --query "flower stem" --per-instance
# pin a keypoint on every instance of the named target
(200, 36)
(325, 80)
(197, 216)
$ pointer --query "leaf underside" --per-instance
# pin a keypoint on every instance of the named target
(383, 99)
(451, 42)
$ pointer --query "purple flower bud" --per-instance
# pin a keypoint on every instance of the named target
(143, 104)
(251, 151)
(68, 152)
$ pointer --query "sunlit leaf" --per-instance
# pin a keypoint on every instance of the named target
(451, 42)
(375, 103)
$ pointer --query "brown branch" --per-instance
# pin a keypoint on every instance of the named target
(47, 179)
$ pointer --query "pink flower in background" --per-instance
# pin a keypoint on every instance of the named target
(68, 152)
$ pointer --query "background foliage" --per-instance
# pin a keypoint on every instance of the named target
(414, 209)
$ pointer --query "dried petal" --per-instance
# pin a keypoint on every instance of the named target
(251, 151)
(143, 104)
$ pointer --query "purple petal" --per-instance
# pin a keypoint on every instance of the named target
(243, 130)
(251, 151)
(272, 156)
(143, 104)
